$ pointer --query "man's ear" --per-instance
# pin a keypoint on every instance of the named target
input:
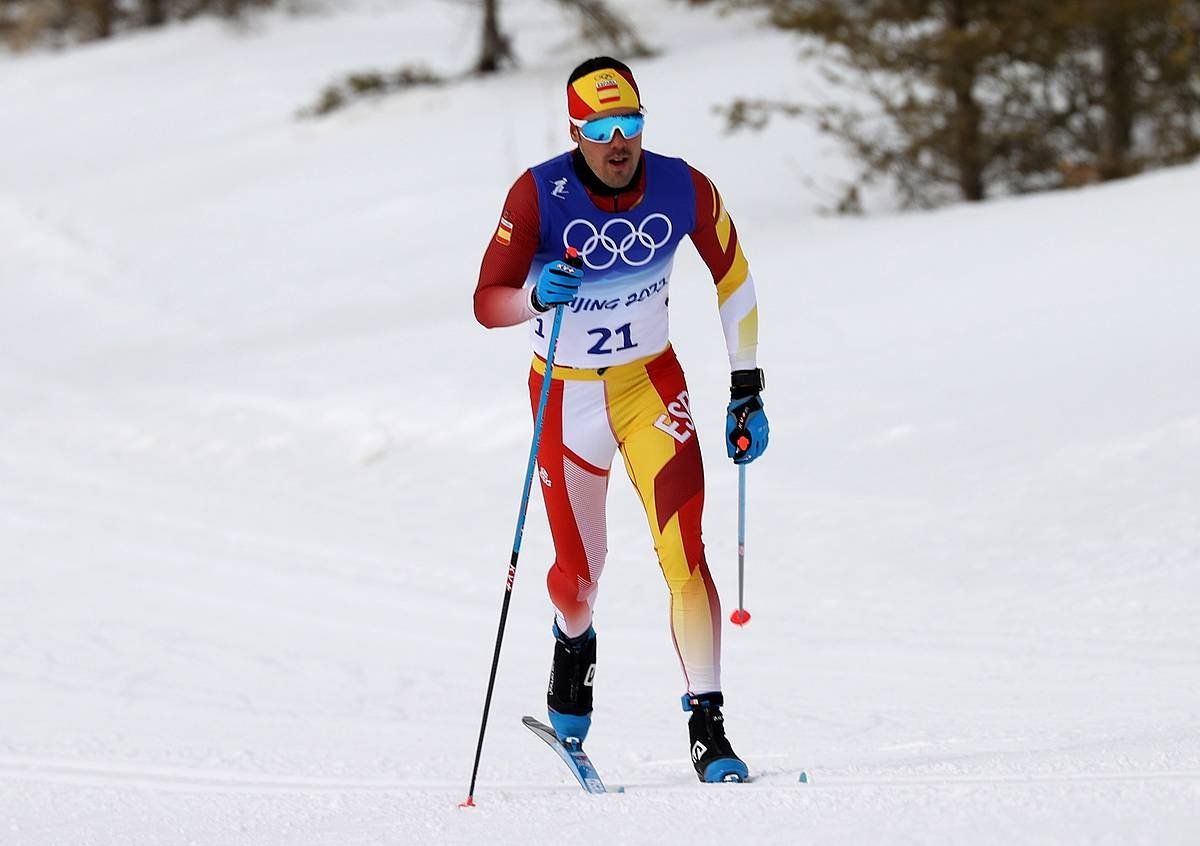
(574, 132)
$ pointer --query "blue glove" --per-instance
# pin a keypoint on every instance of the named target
(557, 285)
(746, 429)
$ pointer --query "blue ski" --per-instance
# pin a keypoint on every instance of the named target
(572, 754)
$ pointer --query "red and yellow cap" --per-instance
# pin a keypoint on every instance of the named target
(601, 90)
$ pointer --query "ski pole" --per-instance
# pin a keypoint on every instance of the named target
(741, 616)
(573, 259)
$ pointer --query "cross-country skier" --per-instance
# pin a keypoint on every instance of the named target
(616, 381)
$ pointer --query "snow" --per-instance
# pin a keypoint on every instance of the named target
(259, 469)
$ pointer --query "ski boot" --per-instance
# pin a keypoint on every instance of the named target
(712, 756)
(569, 696)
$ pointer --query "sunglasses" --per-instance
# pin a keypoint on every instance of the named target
(601, 130)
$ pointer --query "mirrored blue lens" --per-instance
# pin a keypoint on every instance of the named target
(601, 129)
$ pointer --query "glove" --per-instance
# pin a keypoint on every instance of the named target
(746, 429)
(557, 285)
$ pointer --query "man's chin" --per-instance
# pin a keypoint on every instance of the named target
(619, 176)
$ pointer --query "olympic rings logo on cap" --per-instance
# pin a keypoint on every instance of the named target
(610, 249)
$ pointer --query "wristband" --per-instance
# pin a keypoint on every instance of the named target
(746, 383)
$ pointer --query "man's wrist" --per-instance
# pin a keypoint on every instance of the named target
(535, 304)
(746, 383)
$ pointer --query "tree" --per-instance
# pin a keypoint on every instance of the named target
(496, 49)
(968, 97)
(153, 13)
(25, 23)
(101, 16)
(924, 65)
(1132, 67)
(598, 23)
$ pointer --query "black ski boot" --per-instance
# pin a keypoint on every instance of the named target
(712, 756)
(569, 696)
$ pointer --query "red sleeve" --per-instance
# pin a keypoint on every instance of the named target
(499, 298)
(709, 210)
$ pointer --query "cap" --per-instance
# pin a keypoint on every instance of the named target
(600, 90)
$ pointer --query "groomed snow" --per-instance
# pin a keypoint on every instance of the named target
(259, 469)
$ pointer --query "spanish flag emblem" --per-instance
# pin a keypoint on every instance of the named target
(504, 230)
(607, 91)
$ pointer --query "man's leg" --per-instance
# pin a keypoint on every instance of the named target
(574, 457)
(653, 420)
(658, 442)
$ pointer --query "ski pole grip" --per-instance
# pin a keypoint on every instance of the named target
(571, 257)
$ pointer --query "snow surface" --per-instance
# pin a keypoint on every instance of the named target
(259, 469)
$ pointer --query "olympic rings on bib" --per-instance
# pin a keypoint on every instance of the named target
(609, 249)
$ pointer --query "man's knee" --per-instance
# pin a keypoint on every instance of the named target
(569, 583)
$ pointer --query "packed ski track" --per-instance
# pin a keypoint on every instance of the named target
(259, 469)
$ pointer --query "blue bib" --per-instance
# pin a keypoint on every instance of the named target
(620, 313)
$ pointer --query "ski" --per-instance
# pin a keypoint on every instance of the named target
(572, 754)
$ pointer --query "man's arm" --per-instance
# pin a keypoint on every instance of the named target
(499, 297)
(716, 241)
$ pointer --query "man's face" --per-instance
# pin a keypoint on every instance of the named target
(615, 162)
